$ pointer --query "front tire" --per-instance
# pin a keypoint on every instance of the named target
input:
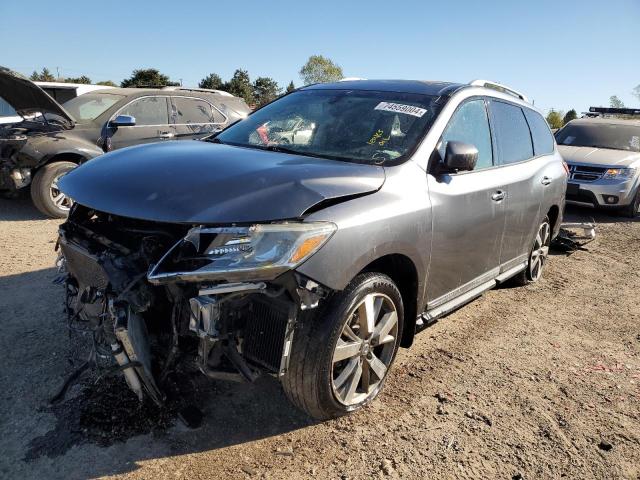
(342, 353)
(537, 256)
(44, 190)
(633, 208)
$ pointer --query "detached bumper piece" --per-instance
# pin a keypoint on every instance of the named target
(574, 236)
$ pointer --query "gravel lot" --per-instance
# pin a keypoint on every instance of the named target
(535, 382)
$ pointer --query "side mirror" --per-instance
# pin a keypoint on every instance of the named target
(123, 121)
(460, 156)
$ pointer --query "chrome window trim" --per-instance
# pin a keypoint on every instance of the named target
(226, 119)
(168, 97)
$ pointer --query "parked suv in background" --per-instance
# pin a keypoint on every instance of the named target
(41, 148)
(603, 154)
(311, 260)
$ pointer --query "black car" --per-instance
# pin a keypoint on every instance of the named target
(51, 139)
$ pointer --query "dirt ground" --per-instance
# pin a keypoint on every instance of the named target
(535, 382)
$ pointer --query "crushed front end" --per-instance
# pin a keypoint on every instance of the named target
(154, 295)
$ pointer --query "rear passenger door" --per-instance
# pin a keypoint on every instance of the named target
(195, 117)
(521, 172)
(468, 211)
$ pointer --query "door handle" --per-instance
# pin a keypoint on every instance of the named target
(546, 180)
(498, 196)
(166, 135)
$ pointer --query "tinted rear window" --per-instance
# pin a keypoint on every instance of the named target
(512, 133)
(542, 137)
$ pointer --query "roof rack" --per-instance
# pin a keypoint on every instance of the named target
(194, 89)
(499, 87)
(615, 111)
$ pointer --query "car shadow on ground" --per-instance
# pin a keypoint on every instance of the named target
(103, 417)
(574, 213)
(20, 208)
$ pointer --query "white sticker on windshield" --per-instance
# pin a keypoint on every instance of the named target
(568, 140)
(400, 108)
(635, 142)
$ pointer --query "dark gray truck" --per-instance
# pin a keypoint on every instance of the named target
(312, 260)
(51, 139)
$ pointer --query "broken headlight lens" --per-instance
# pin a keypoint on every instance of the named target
(258, 252)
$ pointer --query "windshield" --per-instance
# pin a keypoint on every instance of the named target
(90, 105)
(601, 135)
(352, 125)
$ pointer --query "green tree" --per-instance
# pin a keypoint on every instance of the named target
(615, 102)
(265, 89)
(291, 87)
(319, 69)
(107, 83)
(44, 76)
(554, 119)
(570, 115)
(212, 81)
(240, 86)
(81, 79)
(149, 77)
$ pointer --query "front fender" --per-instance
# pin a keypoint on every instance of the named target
(41, 150)
(394, 220)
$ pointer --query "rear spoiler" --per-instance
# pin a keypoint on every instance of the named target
(615, 111)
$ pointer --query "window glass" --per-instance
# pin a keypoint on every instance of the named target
(147, 111)
(91, 105)
(542, 137)
(469, 124)
(194, 110)
(600, 135)
(352, 125)
(512, 133)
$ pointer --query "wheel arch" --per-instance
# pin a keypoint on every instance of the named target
(404, 274)
(73, 157)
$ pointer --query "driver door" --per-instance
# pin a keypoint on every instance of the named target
(152, 123)
(468, 211)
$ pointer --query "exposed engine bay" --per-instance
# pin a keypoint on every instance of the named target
(152, 300)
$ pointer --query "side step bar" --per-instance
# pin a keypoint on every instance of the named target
(430, 316)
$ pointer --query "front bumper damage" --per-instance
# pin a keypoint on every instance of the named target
(228, 330)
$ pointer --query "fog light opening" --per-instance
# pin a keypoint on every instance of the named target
(610, 199)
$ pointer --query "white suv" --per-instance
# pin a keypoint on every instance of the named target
(603, 155)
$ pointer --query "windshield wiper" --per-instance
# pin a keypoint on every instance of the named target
(214, 140)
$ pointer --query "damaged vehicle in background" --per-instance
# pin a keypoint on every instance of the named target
(313, 261)
(51, 139)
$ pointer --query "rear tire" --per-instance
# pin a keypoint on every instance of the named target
(44, 193)
(633, 208)
(342, 353)
(537, 256)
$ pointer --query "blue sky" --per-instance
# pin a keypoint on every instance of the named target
(562, 54)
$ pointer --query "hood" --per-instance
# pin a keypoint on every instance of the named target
(207, 183)
(604, 157)
(26, 97)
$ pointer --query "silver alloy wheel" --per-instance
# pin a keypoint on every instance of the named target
(59, 199)
(540, 251)
(365, 349)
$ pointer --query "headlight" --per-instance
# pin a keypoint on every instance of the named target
(619, 173)
(258, 252)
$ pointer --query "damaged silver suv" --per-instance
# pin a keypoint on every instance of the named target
(311, 257)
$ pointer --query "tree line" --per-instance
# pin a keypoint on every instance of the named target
(260, 91)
